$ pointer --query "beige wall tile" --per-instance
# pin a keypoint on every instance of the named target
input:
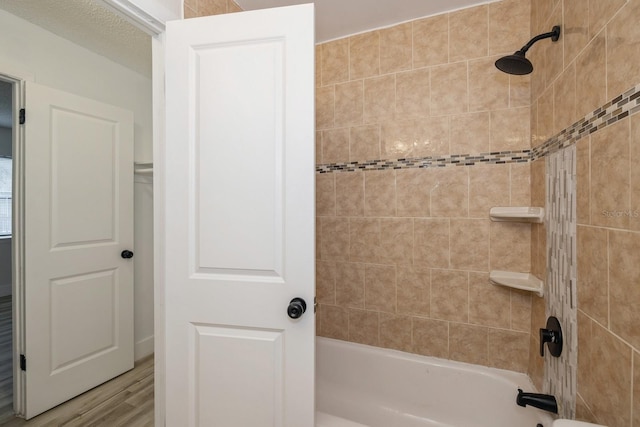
(450, 192)
(450, 295)
(414, 290)
(232, 7)
(326, 282)
(600, 12)
(488, 86)
(624, 292)
(325, 195)
(585, 384)
(318, 146)
(508, 350)
(545, 116)
(510, 246)
(470, 244)
(349, 194)
(396, 49)
(364, 55)
(335, 62)
(431, 137)
(468, 343)
(379, 98)
(413, 93)
(190, 12)
(431, 337)
(575, 28)
(610, 176)
(395, 332)
(583, 412)
(583, 181)
(510, 129)
(349, 104)
(333, 322)
(325, 107)
(334, 240)
(519, 91)
(431, 41)
(318, 64)
(508, 25)
(365, 143)
(413, 187)
(552, 51)
(536, 364)
(470, 133)
(193, 4)
(634, 219)
(564, 100)
(636, 388)
(468, 33)
(396, 241)
(364, 239)
(380, 193)
(318, 238)
(449, 89)
(611, 372)
(593, 279)
(431, 243)
(398, 138)
(488, 187)
(535, 137)
(520, 184)
(363, 327)
(380, 288)
(489, 305)
(538, 183)
(591, 77)
(349, 277)
(521, 310)
(335, 145)
(623, 48)
(212, 7)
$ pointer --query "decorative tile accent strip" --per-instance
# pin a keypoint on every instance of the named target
(498, 157)
(617, 109)
(561, 293)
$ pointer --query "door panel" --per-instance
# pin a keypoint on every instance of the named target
(78, 218)
(239, 212)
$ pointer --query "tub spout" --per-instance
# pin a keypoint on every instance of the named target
(545, 402)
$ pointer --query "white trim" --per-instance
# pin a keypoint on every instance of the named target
(143, 348)
(136, 16)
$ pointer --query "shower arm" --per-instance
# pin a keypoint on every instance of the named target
(554, 34)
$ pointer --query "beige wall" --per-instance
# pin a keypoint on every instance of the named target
(195, 8)
(595, 61)
(403, 255)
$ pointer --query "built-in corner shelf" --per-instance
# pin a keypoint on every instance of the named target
(517, 214)
(522, 281)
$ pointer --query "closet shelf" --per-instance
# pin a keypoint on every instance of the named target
(517, 214)
(522, 281)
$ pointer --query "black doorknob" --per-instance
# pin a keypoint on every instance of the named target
(297, 307)
(552, 335)
(126, 254)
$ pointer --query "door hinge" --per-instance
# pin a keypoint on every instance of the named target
(22, 116)
(23, 362)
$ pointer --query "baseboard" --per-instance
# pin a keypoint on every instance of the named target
(143, 348)
(5, 289)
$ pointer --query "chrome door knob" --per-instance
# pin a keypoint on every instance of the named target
(296, 308)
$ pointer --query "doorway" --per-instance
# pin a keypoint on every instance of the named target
(6, 288)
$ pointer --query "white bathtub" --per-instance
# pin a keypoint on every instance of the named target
(359, 385)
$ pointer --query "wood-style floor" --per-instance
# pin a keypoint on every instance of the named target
(125, 401)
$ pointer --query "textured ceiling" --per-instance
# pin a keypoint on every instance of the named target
(340, 18)
(5, 104)
(90, 25)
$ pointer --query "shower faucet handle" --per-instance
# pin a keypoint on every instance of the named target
(551, 334)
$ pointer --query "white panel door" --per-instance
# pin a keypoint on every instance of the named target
(239, 219)
(78, 185)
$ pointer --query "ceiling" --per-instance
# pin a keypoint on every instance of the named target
(340, 18)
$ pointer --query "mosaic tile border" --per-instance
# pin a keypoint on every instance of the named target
(617, 109)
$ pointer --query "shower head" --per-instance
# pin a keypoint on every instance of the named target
(517, 63)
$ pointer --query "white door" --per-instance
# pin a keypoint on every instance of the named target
(239, 219)
(78, 218)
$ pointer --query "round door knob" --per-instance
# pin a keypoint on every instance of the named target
(126, 254)
(297, 307)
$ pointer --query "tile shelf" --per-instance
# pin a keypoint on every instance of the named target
(517, 214)
(522, 281)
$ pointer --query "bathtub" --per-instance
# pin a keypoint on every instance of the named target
(359, 385)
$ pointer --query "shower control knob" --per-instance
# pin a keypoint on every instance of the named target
(296, 308)
(126, 254)
(552, 335)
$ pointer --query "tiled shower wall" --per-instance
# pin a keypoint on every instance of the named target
(195, 8)
(594, 62)
(403, 255)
